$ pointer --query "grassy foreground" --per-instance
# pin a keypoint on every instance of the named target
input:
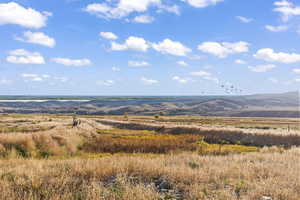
(42, 157)
(187, 175)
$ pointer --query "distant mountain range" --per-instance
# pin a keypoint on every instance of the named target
(258, 105)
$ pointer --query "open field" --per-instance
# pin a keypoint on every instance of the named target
(149, 157)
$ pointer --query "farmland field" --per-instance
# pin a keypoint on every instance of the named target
(149, 157)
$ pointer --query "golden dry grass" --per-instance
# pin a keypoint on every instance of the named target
(142, 144)
(96, 161)
(232, 177)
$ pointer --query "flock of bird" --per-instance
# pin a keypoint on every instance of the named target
(228, 88)
(231, 89)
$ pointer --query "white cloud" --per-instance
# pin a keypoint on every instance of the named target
(222, 50)
(21, 56)
(108, 35)
(271, 56)
(200, 73)
(171, 9)
(297, 71)
(244, 19)
(13, 13)
(298, 30)
(171, 47)
(37, 38)
(72, 62)
(148, 81)
(122, 9)
(107, 83)
(35, 77)
(261, 68)
(287, 9)
(297, 80)
(5, 81)
(138, 64)
(144, 19)
(273, 80)
(118, 9)
(43, 77)
(240, 62)
(48, 14)
(202, 3)
(101, 10)
(205, 75)
(132, 43)
(276, 28)
(283, 3)
(116, 68)
(182, 63)
(208, 67)
(180, 80)
(61, 79)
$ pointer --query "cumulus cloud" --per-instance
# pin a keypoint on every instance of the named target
(37, 38)
(283, 3)
(116, 68)
(280, 28)
(200, 73)
(122, 9)
(203, 3)
(261, 68)
(72, 62)
(13, 13)
(205, 75)
(144, 19)
(297, 71)
(179, 79)
(132, 43)
(107, 83)
(286, 9)
(119, 9)
(108, 35)
(182, 63)
(35, 77)
(270, 55)
(240, 62)
(148, 81)
(171, 9)
(4, 81)
(222, 50)
(244, 19)
(138, 64)
(21, 56)
(171, 47)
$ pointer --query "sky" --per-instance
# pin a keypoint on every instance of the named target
(149, 47)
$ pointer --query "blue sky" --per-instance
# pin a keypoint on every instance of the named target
(149, 47)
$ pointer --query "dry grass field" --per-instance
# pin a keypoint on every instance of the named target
(138, 157)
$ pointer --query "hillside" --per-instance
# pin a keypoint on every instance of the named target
(259, 105)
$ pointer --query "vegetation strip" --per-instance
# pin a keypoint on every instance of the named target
(214, 135)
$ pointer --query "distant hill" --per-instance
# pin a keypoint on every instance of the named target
(258, 105)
